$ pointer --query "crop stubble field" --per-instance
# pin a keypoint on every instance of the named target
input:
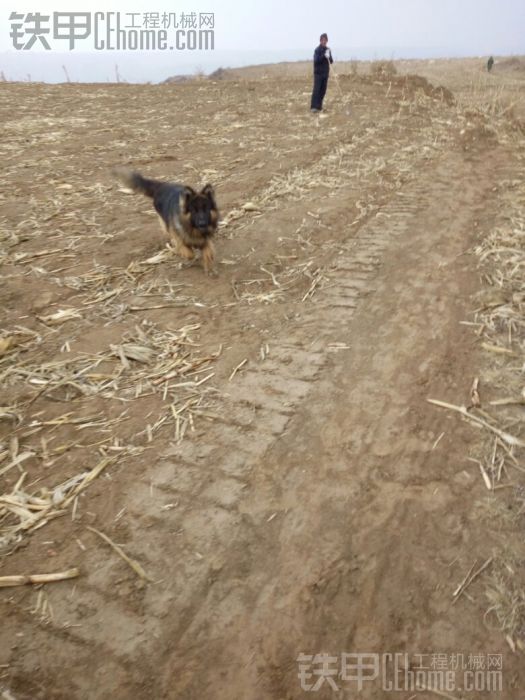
(247, 467)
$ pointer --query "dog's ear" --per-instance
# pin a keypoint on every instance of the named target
(186, 197)
(209, 192)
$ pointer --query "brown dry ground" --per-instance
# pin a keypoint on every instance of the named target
(313, 502)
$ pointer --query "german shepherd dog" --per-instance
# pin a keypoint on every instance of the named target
(189, 218)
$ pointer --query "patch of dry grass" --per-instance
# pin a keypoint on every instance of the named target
(499, 453)
(506, 602)
(148, 361)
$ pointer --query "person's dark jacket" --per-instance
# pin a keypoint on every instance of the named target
(321, 64)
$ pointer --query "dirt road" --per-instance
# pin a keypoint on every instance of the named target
(317, 503)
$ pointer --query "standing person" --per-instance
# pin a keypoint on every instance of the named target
(322, 60)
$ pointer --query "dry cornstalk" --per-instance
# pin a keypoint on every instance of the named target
(6, 581)
(137, 568)
(438, 441)
(469, 579)
(16, 462)
(475, 400)
(484, 473)
(239, 366)
(89, 477)
(497, 349)
(506, 437)
(508, 402)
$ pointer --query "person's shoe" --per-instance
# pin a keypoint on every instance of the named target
(314, 110)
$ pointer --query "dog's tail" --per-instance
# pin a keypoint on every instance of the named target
(136, 182)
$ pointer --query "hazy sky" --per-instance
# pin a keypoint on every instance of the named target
(266, 30)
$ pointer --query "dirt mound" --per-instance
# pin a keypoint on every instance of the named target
(412, 84)
(514, 63)
(477, 135)
(416, 82)
(477, 132)
(219, 74)
(178, 79)
(383, 68)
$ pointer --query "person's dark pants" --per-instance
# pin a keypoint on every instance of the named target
(319, 91)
